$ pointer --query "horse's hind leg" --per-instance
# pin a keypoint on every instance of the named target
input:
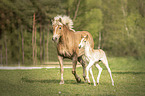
(80, 59)
(107, 66)
(78, 79)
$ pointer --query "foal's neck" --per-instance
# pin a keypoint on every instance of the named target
(88, 48)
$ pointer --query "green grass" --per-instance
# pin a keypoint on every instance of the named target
(128, 75)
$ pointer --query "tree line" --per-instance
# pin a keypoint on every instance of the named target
(117, 26)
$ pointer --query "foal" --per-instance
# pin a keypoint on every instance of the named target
(92, 57)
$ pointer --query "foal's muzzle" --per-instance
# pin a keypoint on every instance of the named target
(54, 39)
(79, 47)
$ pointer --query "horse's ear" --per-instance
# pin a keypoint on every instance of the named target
(52, 21)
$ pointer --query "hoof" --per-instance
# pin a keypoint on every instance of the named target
(97, 83)
(85, 79)
(89, 82)
(78, 80)
(112, 84)
(61, 82)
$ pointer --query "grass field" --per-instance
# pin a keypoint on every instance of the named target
(128, 75)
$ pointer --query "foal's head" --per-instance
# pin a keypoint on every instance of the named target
(83, 41)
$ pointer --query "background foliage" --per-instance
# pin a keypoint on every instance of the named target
(120, 25)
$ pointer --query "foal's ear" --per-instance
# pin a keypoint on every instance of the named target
(82, 36)
(87, 37)
(60, 20)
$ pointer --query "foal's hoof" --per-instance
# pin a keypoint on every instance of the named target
(78, 80)
(89, 83)
(112, 84)
(61, 82)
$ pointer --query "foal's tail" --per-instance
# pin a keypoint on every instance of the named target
(105, 61)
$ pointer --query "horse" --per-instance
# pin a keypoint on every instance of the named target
(94, 56)
(67, 40)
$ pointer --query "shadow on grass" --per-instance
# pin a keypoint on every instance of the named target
(49, 81)
(128, 72)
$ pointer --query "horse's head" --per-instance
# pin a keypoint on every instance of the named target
(60, 24)
(57, 30)
(83, 41)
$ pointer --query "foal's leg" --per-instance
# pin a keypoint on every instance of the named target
(100, 70)
(88, 68)
(107, 66)
(92, 76)
(61, 69)
(78, 79)
(80, 59)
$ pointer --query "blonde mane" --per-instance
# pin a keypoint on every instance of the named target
(64, 20)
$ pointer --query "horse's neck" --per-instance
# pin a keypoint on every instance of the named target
(66, 38)
(88, 49)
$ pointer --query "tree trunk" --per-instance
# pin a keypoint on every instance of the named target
(6, 49)
(1, 54)
(99, 40)
(124, 5)
(33, 37)
(76, 10)
(40, 43)
(47, 43)
(43, 46)
(35, 48)
(22, 46)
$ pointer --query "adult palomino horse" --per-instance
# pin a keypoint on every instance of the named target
(94, 56)
(67, 44)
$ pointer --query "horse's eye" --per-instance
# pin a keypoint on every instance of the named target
(84, 41)
(59, 27)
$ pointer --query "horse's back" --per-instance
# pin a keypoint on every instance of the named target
(99, 53)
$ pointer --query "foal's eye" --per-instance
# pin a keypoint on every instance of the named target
(59, 27)
(84, 41)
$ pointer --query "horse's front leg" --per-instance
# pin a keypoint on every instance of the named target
(78, 79)
(80, 59)
(61, 69)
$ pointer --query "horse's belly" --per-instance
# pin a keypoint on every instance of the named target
(65, 53)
